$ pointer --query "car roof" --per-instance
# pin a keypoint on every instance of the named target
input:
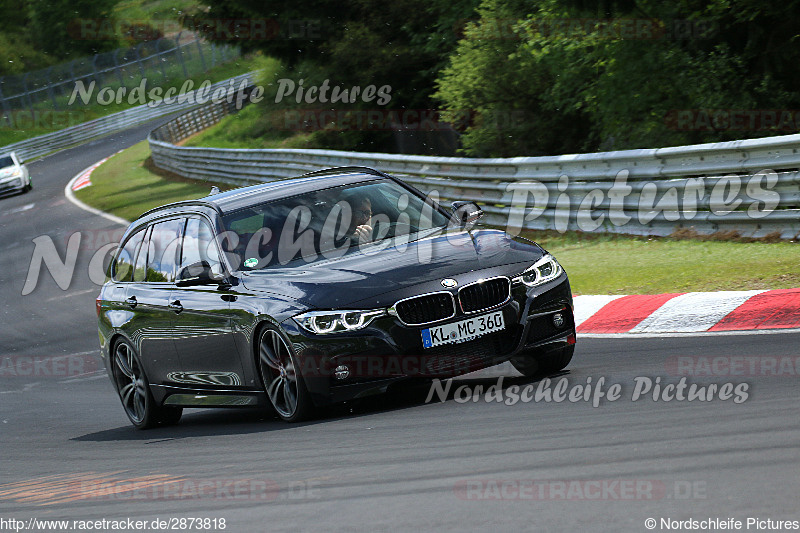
(229, 201)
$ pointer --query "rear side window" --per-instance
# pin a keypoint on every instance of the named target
(198, 245)
(122, 270)
(164, 244)
(140, 271)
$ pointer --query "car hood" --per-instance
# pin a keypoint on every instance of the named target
(365, 274)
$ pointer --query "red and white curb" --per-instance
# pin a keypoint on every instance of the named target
(81, 180)
(692, 312)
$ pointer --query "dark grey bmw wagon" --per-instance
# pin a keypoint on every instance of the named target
(323, 288)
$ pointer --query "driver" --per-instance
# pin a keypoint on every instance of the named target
(360, 221)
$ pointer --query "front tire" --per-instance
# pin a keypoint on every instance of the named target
(531, 364)
(134, 391)
(281, 376)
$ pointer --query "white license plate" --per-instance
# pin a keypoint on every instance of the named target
(462, 331)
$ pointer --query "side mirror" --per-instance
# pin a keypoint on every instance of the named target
(200, 273)
(466, 214)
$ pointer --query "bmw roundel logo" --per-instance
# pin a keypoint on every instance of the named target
(449, 283)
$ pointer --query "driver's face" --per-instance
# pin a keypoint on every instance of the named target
(362, 213)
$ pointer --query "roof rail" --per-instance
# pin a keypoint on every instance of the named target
(182, 203)
(364, 170)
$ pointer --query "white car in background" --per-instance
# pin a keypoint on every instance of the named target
(14, 176)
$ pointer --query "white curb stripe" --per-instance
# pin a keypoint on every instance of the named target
(694, 311)
(70, 194)
(586, 306)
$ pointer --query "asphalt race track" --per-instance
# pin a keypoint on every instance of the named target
(69, 452)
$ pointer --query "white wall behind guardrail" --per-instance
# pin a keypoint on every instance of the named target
(750, 186)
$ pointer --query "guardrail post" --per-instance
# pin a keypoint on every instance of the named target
(139, 60)
(95, 73)
(200, 52)
(27, 93)
(160, 60)
(6, 107)
(118, 68)
(50, 91)
(179, 51)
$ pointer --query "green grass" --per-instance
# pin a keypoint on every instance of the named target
(267, 125)
(631, 265)
(596, 264)
(254, 125)
(124, 187)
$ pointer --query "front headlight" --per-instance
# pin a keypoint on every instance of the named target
(544, 270)
(11, 173)
(325, 322)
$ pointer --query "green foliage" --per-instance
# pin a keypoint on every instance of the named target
(614, 75)
(523, 77)
(39, 33)
(53, 23)
(402, 44)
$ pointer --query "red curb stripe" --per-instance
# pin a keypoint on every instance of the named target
(623, 314)
(775, 309)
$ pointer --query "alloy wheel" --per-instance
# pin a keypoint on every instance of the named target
(130, 383)
(279, 373)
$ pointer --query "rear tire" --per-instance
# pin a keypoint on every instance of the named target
(134, 390)
(531, 364)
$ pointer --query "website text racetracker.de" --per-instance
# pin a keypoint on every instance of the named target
(125, 524)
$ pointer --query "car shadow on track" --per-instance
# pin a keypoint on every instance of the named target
(211, 422)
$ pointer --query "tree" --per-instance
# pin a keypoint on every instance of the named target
(52, 23)
(615, 75)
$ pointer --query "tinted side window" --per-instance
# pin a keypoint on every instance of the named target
(164, 241)
(199, 245)
(122, 269)
(140, 271)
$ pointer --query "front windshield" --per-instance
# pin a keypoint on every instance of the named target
(6, 161)
(326, 224)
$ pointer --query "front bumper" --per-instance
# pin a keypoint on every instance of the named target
(344, 366)
(12, 185)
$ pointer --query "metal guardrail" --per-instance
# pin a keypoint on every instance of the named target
(750, 186)
(72, 136)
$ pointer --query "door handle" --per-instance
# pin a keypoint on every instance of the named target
(176, 306)
(131, 300)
